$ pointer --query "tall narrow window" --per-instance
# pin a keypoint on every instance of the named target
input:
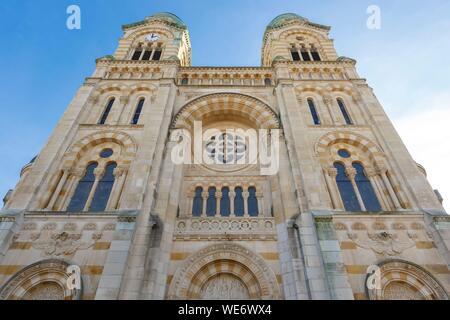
(346, 190)
(313, 110)
(225, 202)
(295, 55)
(197, 207)
(238, 202)
(315, 54)
(147, 54)
(137, 113)
(344, 112)
(107, 111)
(305, 55)
(267, 82)
(252, 202)
(83, 190)
(366, 190)
(211, 202)
(104, 188)
(137, 54)
(157, 54)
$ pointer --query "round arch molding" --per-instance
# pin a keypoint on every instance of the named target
(77, 150)
(236, 104)
(224, 259)
(403, 280)
(47, 279)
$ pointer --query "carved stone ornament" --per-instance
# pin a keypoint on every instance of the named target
(383, 243)
(61, 244)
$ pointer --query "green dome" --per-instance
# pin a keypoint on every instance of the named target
(283, 19)
(169, 17)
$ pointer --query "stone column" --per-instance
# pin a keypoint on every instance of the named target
(120, 176)
(351, 174)
(98, 173)
(261, 211)
(330, 179)
(58, 189)
(232, 196)
(124, 99)
(245, 195)
(218, 197)
(205, 195)
(328, 101)
(383, 173)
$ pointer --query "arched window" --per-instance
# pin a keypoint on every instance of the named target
(225, 202)
(313, 110)
(184, 81)
(267, 82)
(252, 202)
(147, 54)
(344, 112)
(238, 202)
(366, 189)
(346, 190)
(295, 55)
(107, 111)
(315, 54)
(83, 190)
(138, 111)
(157, 54)
(104, 188)
(137, 54)
(211, 202)
(305, 54)
(197, 207)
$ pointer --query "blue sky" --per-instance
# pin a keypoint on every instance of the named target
(406, 61)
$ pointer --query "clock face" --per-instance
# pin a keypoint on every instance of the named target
(152, 37)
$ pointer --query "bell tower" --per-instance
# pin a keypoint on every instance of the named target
(160, 37)
(294, 38)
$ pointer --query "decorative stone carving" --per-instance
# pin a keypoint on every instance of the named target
(58, 244)
(45, 291)
(383, 243)
(262, 228)
(225, 287)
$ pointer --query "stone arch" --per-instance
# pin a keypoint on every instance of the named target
(319, 37)
(363, 144)
(224, 258)
(77, 150)
(412, 282)
(50, 275)
(141, 87)
(230, 103)
(142, 31)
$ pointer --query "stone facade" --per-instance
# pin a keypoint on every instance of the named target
(146, 242)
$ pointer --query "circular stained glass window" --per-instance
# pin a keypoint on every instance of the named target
(344, 153)
(106, 153)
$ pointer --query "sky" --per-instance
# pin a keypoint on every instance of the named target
(406, 61)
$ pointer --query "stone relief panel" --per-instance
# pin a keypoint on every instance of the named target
(383, 243)
(45, 291)
(224, 287)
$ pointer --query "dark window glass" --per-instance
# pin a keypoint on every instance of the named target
(197, 207)
(184, 81)
(366, 190)
(107, 111)
(137, 54)
(344, 112)
(106, 153)
(252, 202)
(83, 190)
(225, 202)
(267, 82)
(238, 202)
(138, 111)
(312, 109)
(305, 56)
(157, 55)
(295, 55)
(103, 191)
(211, 202)
(344, 153)
(147, 55)
(315, 55)
(346, 190)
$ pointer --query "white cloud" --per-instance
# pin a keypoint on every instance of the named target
(426, 134)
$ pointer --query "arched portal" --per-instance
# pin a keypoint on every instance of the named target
(224, 271)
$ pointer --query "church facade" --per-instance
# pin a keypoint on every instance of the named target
(341, 212)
